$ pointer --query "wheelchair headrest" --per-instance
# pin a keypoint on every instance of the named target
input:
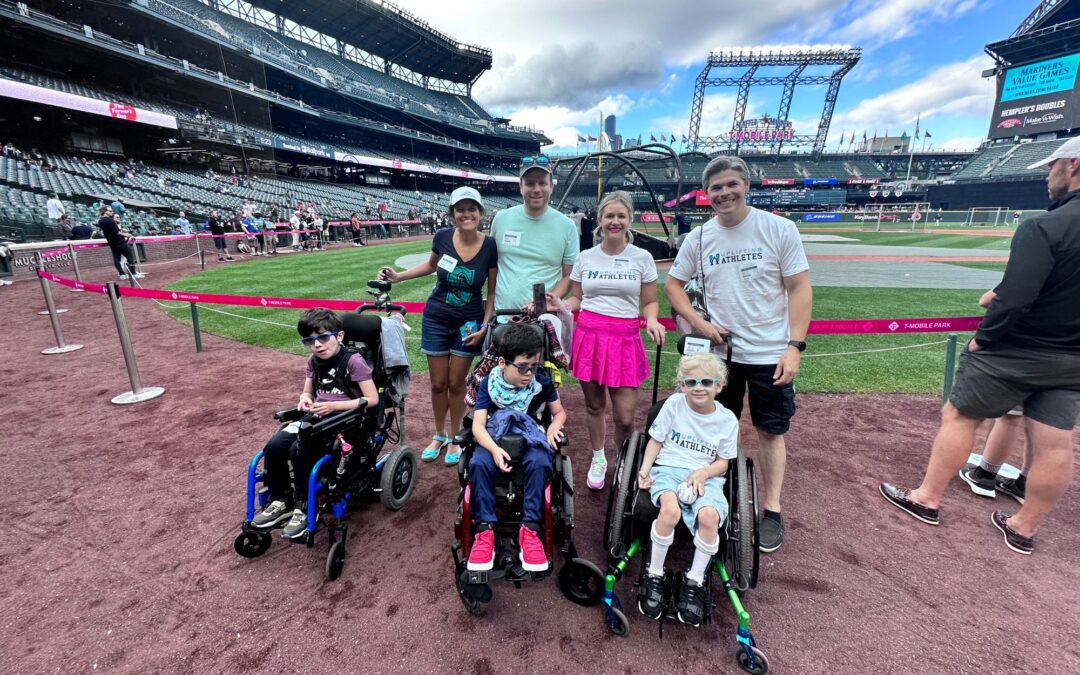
(499, 330)
(365, 328)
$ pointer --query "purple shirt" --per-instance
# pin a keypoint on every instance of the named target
(359, 371)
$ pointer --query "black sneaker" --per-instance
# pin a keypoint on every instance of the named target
(1011, 487)
(1013, 539)
(650, 597)
(690, 609)
(979, 480)
(770, 532)
(901, 499)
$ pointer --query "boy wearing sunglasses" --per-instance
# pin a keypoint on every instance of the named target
(506, 400)
(337, 379)
(690, 443)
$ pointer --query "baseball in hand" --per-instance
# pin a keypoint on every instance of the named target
(686, 493)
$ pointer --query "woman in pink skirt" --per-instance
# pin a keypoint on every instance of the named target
(611, 284)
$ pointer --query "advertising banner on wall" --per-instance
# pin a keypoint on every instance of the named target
(777, 181)
(61, 99)
(1037, 98)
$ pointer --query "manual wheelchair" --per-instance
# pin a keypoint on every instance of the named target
(352, 472)
(629, 517)
(579, 580)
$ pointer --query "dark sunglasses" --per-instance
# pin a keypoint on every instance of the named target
(535, 160)
(691, 383)
(526, 368)
(323, 338)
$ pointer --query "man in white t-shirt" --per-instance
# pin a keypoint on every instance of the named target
(758, 295)
(536, 243)
(56, 209)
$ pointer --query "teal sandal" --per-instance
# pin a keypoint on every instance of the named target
(432, 454)
(452, 458)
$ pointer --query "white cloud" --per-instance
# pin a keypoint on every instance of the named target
(873, 23)
(953, 90)
(563, 125)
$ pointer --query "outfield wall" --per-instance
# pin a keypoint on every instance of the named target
(1020, 194)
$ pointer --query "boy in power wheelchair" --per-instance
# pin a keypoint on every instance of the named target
(514, 478)
(345, 415)
(687, 472)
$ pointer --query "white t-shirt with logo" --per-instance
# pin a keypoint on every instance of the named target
(611, 284)
(691, 440)
(744, 268)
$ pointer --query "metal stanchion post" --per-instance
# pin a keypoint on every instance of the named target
(48, 311)
(195, 325)
(61, 347)
(137, 393)
(950, 367)
(137, 272)
(75, 266)
(202, 260)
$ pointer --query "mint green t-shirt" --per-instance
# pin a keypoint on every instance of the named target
(531, 251)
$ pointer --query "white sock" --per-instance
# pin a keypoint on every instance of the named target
(703, 553)
(660, 546)
(598, 454)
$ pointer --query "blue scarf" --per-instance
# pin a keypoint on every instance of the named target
(505, 395)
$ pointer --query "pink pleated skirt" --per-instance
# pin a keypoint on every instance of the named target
(609, 351)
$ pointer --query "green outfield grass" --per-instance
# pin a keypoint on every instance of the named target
(827, 366)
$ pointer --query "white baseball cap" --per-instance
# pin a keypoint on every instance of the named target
(466, 193)
(1070, 149)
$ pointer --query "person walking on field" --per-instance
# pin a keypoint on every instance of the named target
(1026, 351)
(608, 283)
(758, 298)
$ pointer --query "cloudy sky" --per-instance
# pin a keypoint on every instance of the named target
(558, 64)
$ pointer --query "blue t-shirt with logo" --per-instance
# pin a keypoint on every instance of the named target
(458, 294)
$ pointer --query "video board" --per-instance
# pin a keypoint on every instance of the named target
(1037, 98)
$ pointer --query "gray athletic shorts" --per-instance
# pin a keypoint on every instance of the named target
(991, 382)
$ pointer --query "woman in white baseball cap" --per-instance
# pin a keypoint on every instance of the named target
(456, 314)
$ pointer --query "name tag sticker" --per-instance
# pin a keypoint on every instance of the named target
(511, 239)
(620, 264)
(694, 345)
(748, 272)
(447, 263)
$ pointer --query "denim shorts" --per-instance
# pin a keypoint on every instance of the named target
(440, 339)
(667, 478)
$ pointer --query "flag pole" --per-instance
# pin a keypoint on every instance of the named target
(911, 148)
(599, 160)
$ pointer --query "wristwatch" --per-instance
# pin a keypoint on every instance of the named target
(797, 344)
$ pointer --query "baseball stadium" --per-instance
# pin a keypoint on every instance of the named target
(182, 182)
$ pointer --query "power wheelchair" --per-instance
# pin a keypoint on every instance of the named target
(347, 474)
(629, 517)
(579, 580)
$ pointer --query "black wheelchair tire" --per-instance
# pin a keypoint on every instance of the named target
(398, 478)
(761, 665)
(614, 521)
(335, 561)
(581, 582)
(252, 544)
(475, 597)
(745, 561)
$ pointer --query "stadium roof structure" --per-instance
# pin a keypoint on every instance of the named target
(389, 32)
(1057, 39)
(1046, 13)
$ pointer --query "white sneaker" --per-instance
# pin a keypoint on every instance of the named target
(275, 512)
(296, 526)
(597, 473)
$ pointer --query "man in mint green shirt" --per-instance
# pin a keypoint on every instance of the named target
(536, 243)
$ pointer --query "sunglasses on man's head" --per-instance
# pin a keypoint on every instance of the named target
(322, 338)
(535, 160)
(691, 383)
(526, 368)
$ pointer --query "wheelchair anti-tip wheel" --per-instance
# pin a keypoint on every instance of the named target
(615, 621)
(252, 544)
(475, 597)
(335, 560)
(761, 664)
(398, 478)
(581, 582)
